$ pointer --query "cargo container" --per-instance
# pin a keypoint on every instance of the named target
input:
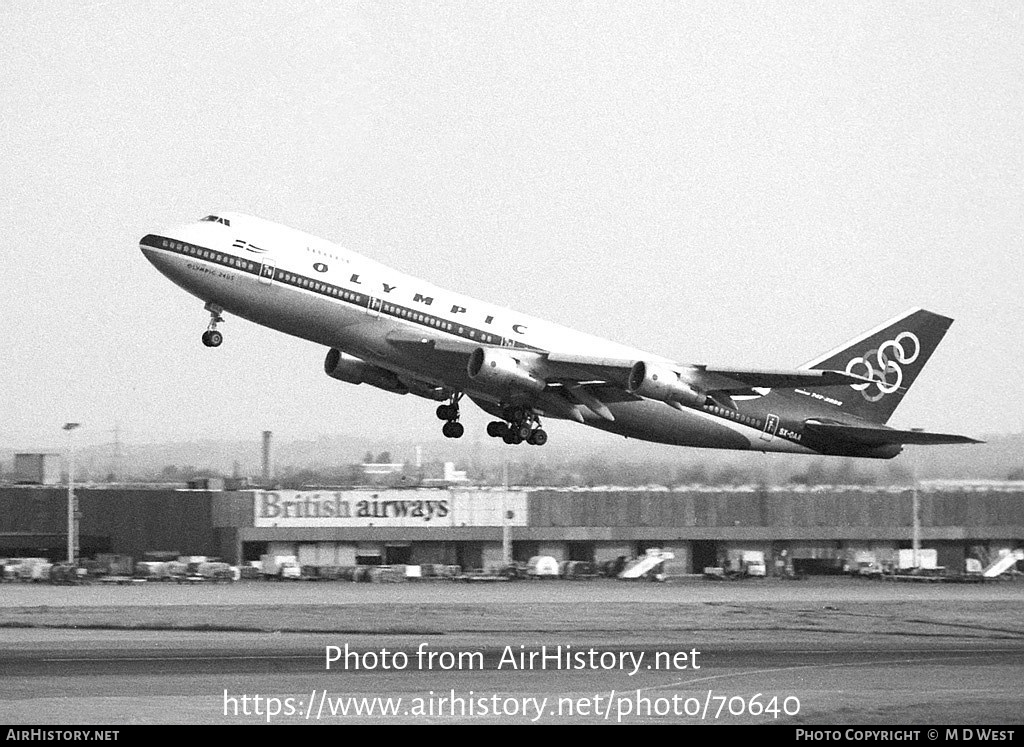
(746, 563)
(927, 560)
(115, 565)
(280, 566)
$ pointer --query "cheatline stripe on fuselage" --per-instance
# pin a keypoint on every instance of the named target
(334, 292)
(406, 314)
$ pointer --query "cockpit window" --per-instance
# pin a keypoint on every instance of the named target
(216, 219)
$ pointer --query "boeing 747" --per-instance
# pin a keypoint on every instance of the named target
(404, 335)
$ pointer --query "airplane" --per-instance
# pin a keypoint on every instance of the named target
(407, 336)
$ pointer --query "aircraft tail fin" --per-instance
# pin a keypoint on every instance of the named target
(892, 354)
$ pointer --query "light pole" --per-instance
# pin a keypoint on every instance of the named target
(915, 534)
(506, 530)
(72, 507)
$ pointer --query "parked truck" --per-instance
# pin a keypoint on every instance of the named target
(26, 569)
(217, 571)
(863, 564)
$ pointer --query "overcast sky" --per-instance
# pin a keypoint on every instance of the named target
(726, 183)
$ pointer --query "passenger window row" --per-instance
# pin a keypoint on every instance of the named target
(195, 251)
(332, 290)
(739, 417)
(341, 293)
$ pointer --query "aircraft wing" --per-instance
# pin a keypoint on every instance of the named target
(554, 367)
(880, 435)
(574, 368)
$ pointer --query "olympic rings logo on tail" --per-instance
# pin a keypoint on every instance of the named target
(884, 368)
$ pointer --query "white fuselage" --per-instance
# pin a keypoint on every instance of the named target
(311, 288)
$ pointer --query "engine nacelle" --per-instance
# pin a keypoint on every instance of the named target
(497, 368)
(655, 381)
(348, 368)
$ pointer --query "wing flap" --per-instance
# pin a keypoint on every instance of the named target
(741, 380)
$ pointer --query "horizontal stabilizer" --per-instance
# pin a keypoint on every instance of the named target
(870, 436)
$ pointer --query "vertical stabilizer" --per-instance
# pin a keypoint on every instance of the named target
(892, 354)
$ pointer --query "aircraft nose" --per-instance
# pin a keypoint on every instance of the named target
(159, 251)
(149, 245)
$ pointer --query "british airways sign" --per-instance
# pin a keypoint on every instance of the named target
(387, 508)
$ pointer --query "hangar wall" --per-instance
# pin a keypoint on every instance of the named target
(33, 521)
(464, 526)
(817, 527)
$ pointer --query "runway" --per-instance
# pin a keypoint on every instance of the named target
(941, 655)
(823, 590)
(127, 680)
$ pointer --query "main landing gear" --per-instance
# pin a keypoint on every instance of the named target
(450, 413)
(523, 425)
(211, 337)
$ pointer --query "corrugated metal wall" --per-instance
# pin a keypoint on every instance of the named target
(134, 520)
(833, 508)
(232, 509)
(43, 511)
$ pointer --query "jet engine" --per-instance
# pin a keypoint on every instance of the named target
(499, 369)
(344, 367)
(655, 381)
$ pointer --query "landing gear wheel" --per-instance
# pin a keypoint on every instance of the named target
(211, 337)
(523, 425)
(450, 413)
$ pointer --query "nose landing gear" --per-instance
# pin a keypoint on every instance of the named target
(211, 337)
(450, 413)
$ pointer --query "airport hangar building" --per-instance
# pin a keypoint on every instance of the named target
(815, 528)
